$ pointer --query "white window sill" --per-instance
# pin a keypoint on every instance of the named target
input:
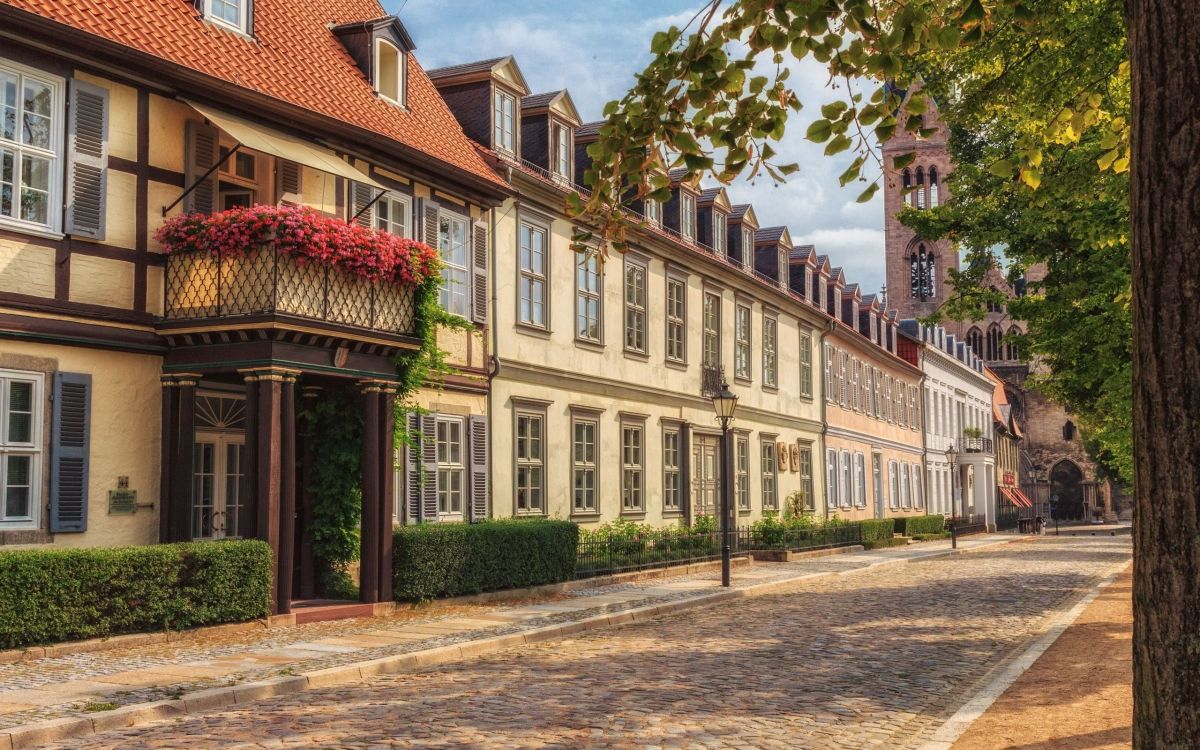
(33, 230)
(18, 526)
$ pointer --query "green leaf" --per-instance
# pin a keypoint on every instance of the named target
(903, 160)
(832, 110)
(839, 144)
(819, 131)
(1002, 168)
(697, 163)
(972, 12)
(868, 194)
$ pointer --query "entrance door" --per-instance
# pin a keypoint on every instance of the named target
(217, 461)
(877, 476)
(705, 470)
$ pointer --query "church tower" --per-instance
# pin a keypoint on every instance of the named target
(917, 269)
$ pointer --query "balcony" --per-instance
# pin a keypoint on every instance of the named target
(266, 283)
(711, 380)
(977, 445)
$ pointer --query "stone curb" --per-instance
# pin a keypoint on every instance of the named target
(1011, 670)
(32, 735)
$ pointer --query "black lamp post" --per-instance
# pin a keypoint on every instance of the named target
(952, 455)
(725, 404)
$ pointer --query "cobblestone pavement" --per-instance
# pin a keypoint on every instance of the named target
(46, 688)
(878, 659)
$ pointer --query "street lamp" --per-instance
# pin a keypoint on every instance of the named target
(952, 456)
(725, 404)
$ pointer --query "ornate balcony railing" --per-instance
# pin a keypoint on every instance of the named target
(977, 445)
(200, 286)
(711, 380)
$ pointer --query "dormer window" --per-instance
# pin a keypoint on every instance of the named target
(562, 151)
(652, 210)
(504, 130)
(783, 268)
(232, 13)
(747, 248)
(389, 71)
(719, 231)
(687, 216)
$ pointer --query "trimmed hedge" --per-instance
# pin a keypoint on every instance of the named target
(913, 525)
(874, 530)
(48, 596)
(452, 559)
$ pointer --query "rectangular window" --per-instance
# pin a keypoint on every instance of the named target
(562, 152)
(844, 380)
(687, 216)
(770, 353)
(712, 330)
(831, 479)
(905, 488)
(451, 468)
(864, 388)
(830, 382)
(855, 371)
(504, 138)
(806, 478)
(894, 484)
(676, 320)
(228, 12)
(672, 484)
(652, 210)
(901, 410)
(584, 464)
(747, 248)
(918, 498)
(393, 214)
(532, 305)
(719, 231)
(452, 245)
(741, 343)
(888, 407)
(743, 472)
(860, 480)
(806, 373)
(530, 463)
(632, 462)
(31, 114)
(587, 298)
(914, 416)
(846, 480)
(21, 417)
(878, 394)
(770, 497)
(635, 307)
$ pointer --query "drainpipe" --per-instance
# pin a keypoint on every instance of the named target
(493, 363)
(830, 327)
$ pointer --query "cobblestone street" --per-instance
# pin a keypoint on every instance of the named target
(877, 659)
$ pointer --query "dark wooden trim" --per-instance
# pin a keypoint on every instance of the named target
(249, 484)
(370, 531)
(100, 336)
(83, 247)
(141, 222)
(142, 166)
(287, 496)
(170, 404)
(255, 353)
(387, 496)
(61, 307)
(181, 470)
(62, 274)
(269, 467)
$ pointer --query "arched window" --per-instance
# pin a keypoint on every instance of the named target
(1069, 431)
(920, 187)
(975, 341)
(1014, 353)
(922, 273)
(993, 343)
(906, 193)
(933, 187)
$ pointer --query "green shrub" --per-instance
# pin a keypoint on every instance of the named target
(888, 542)
(877, 530)
(55, 595)
(931, 537)
(452, 559)
(913, 525)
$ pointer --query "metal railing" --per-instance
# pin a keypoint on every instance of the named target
(711, 380)
(266, 282)
(977, 445)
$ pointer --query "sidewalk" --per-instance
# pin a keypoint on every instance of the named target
(1069, 700)
(50, 697)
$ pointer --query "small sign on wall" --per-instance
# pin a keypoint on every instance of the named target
(122, 502)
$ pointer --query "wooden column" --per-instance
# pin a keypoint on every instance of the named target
(249, 483)
(180, 524)
(287, 494)
(387, 505)
(170, 406)
(308, 588)
(369, 557)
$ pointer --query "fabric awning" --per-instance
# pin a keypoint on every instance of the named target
(259, 138)
(1016, 497)
(1023, 496)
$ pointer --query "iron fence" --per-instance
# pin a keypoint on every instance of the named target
(977, 445)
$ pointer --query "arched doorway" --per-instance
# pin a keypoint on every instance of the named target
(1066, 484)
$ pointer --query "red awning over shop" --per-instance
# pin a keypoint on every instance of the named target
(1016, 498)
(1024, 498)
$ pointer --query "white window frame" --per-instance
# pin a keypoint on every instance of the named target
(741, 458)
(636, 299)
(588, 266)
(652, 211)
(55, 154)
(534, 465)
(584, 465)
(676, 314)
(448, 469)
(905, 487)
(504, 123)
(243, 22)
(401, 69)
(687, 216)
(845, 479)
(770, 473)
(806, 476)
(770, 351)
(747, 249)
(454, 294)
(672, 450)
(860, 480)
(31, 448)
(743, 347)
(894, 484)
(918, 499)
(562, 151)
(720, 229)
(831, 479)
(633, 468)
(806, 369)
(531, 276)
(710, 321)
(395, 202)
(830, 380)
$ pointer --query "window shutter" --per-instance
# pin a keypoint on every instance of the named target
(429, 223)
(479, 274)
(70, 441)
(429, 474)
(479, 467)
(287, 175)
(412, 470)
(203, 148)
(362, 195)
(87, 170)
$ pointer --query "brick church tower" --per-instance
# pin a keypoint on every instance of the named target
(917, 269)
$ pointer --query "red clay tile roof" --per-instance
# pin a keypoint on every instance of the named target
(294, 58)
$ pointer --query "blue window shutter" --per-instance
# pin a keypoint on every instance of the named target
(479, 467)
(87, 169)
(69, 447)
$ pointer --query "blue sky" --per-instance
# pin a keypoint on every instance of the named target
(594, 48)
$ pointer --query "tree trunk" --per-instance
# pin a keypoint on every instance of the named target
(1164, 44)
